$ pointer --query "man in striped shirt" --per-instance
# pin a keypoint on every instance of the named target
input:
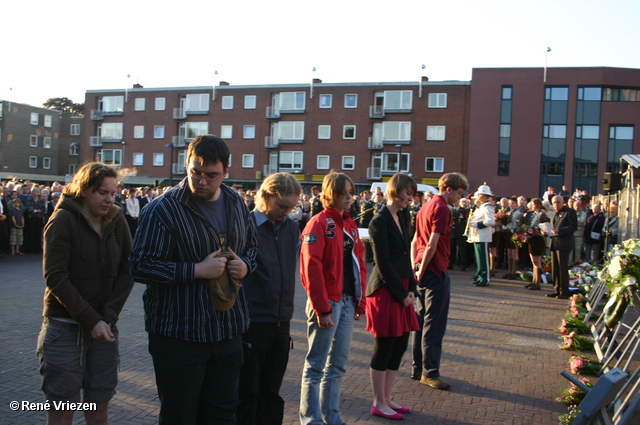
(196, 348)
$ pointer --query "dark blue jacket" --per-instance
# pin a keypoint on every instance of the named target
(271, 287)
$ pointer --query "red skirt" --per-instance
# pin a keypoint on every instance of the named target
(387, 318)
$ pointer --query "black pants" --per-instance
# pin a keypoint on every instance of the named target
(388, 351)
(266, 354)
(197, 381)
(560, 271)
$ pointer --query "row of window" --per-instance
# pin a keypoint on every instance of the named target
(286, 130)
(34, 141)
(391, 100)
(46, 162)
(35, 119)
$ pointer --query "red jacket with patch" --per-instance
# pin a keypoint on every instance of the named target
(321, 260)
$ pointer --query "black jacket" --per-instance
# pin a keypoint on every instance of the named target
(566, 222)
(391, 256)
(270, 288)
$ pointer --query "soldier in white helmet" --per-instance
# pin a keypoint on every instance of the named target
(480, 231)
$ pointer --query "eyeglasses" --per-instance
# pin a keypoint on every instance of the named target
(209, 177)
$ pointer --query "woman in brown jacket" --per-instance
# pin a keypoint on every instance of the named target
(86, 269)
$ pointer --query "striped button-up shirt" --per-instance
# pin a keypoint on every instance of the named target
(171, 238)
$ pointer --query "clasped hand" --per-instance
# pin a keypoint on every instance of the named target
(213, 266)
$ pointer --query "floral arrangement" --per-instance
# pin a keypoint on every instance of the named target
(525, 275)
(582, 365)
(582, 275)
(523, 233)
(573, 325)
(503, 217)
(573, 341)
(546, 264)
(568, 418)
(573, 395)
(621, 271)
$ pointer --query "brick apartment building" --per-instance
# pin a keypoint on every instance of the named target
(526, 134)
(38, 143)
(361, 129)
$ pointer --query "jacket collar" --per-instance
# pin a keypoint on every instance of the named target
(67, 203)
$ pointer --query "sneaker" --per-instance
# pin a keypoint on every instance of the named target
(436, 383)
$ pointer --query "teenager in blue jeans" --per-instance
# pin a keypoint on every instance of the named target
(333, 272)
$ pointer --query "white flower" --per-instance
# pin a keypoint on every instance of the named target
(614, 266)
(629, 280)
(593, 273)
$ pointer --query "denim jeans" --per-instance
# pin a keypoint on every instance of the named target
(325, 364)
(434, 294)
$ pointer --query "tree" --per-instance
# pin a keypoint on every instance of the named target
(64, 104)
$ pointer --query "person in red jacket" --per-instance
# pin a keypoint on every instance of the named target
(333, 272)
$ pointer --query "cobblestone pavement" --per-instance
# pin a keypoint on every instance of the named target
(501, 357)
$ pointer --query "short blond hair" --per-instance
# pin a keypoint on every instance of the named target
(398, 182)
(279, 185)
(333, 186)
(453, 180)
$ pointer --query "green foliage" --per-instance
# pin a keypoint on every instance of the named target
(64, 104)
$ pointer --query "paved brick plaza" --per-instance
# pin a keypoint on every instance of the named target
(500, 355)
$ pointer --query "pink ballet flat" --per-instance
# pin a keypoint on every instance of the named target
(376, 412)
(402, 410)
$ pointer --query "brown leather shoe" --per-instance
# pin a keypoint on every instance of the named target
(436, 383)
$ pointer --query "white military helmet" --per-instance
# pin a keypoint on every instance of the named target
(484, 190)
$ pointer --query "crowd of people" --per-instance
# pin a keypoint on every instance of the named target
(219, 265)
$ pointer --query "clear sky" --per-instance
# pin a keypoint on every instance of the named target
(63, 48)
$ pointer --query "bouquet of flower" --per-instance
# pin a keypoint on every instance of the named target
(525, 275)
(583, 365)
(568, 418)
(582, 274)
(574, 341)
(503, 217)
(573, 395)
(519, 236)
(546, 264)
(573, 325)
(621, 271)
(578, 301)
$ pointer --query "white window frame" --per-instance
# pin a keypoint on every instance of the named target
(33, 162)
(138, 131)
(35, 118)
(48, 120)
(247, 160)
(226, 131)
(200, 102)
(437, 100)
(227, 102)
(46, 163)
(328, 104)
(384, 162)
(294, 129)
(435, 160)
(346, 102)
(296, 97)
(138, 159)
(73, 168)
(436, 133)
(158, 131)
(322, 158)
(74, 130)
(198, 128)
(158, 159)
(402, 132)
(73, 149)
(250, 101)
(118, 104)
(403, 103)
(33, 141)
(116, 127)
(160, 103)
(117, 162)
(249, 132)
(353, 162)
(46, 142)
(344, 131)
(297, 158)
(322, 129)
(139, 104)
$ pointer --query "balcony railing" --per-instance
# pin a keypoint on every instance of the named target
(272, 112)
(95, 141)
(376, 111)
(270, 142)
(178, 168)
(375, 143)
(374, 173)
(179, 114)
(97, 115)
(178, 141)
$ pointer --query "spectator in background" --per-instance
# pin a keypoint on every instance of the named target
(132, 211)
(593, 235)
(16, 237)
(316, 202)
(34, 222)
(581, 217)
